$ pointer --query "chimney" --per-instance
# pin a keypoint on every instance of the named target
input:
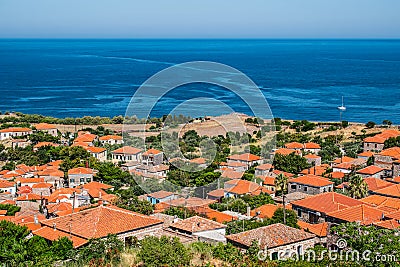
(35, 219)
(248, 211)
(54, 226)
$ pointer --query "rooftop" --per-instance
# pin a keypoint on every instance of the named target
(270, 236)
(197, 224)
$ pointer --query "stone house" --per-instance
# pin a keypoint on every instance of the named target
(315, 208)
(152, 157)
(310, 184)
(277, 241)
(47, 128)
(12, 132)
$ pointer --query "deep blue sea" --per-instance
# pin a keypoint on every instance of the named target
(301, 79)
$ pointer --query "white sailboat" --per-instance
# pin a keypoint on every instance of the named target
(342, 107)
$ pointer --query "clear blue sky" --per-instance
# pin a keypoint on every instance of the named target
(199, 19)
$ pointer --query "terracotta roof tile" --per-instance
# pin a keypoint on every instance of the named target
(270, 236)
(100, 221)
(311, 180)
(244, 157)
(110, 137)
(127, 150)
(231, 174)
(15, 130)
(388, 224)
(393, 191)
(370, 170)
(320, 229)
(327, 202)
(160, 194)
(52, 234)
(265, 211)
(294, 145)
(151, 151)
(376, 183)
(241, 187)
(265, 167)
(362, 214)
(80, 170)
(197, 224)
(45, 126)
(311, 145)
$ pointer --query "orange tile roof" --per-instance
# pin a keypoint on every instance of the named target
(231, 174)
(218, 216)
(376, 183)
(127, 150)
(29, 180)
(198, 160)
(265, 211)
(80, 170)
(387, 204)
(317, 170)
(388, 224)
(337, 175)
(294, 145)
(62, 206)
(269, 180)
(270, 236)
(52, 234)
(244, 157)
(183, 202)
(236, 164)
(197, 224)
(6, 184)
(51, 172)
(375, 139)
(393, 191)
(42, 144)
(265, 166)
(311, 180)
(285, 151)
(370, 170)
(287, 174)
(94, 149)
(319, 229)
(216, 193)
(100, 221)
(42, 185)
(160, 194)
(86, 138)
(15, 129)
(29, 197)
(241, 187)
(393, 152)
(343, 159)
(110, 137)
(151, 151)
(311, 156)
(8, 201)
(344, 165)
(45, 126)
(311, 145)
(327, 202)
(366, 154)
(394, 215)
(363, 214)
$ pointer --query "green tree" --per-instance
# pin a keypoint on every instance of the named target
(370, 124)
(180, 212)
(281, 184)
(288, 217)
(128, 200)
(292, 163)
(164, 251)
(357, 187)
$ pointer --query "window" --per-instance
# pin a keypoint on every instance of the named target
(299, 213)
(72, 180)
(82, 180)
(305, 189)
(293, 186)
(88, 180)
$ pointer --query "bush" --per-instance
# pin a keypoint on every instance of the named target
(164, 251)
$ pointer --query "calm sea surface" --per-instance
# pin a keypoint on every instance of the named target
(301, 79)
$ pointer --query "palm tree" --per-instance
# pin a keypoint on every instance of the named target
(357, 187)
(281, 184)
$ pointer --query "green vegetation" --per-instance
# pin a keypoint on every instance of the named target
(180, 212)
(357, 187)
(164, 251)
(292, 163)
(240, 204)
(11, 209)
(392, 142)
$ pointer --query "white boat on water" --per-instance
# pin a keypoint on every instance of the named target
(342, 107)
